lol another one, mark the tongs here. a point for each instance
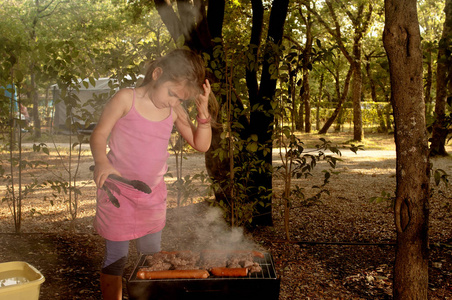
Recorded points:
(136, 184)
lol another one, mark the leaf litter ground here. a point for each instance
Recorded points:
(340, 248)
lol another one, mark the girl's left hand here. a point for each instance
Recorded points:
(202, 101)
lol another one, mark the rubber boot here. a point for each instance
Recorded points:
(111, 287)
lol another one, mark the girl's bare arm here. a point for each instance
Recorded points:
(198, 137)
(116, 108)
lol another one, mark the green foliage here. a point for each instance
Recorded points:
(238, 149)
(66, 42)
(238, 209)
(298, 164)
(385, 197)
(14, 172)
(62, 188)
(439, 176)
(188, 186)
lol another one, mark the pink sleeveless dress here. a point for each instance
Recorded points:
(138, 150)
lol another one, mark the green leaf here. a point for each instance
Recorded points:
(254, 137)
(252, 147)
(437, 177)
(92, 81)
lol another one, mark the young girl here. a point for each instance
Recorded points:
(138, 123)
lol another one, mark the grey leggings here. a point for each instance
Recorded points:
(116, 253)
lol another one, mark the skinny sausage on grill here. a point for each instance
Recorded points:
(143, 273)
(229, 272)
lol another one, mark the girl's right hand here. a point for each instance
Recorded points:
(102, 171)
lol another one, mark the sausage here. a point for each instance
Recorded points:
(258, 254)
(186, 274)
(229, 272)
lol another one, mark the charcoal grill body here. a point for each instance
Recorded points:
(256, 286)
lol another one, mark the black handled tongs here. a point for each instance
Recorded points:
(136, 184)
(111, 197)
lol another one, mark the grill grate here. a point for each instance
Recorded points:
(255, 286)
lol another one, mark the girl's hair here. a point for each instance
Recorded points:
(180, 65)
(183, 66)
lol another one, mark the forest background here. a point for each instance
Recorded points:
(323, 68)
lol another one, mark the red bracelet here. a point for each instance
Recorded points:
(203, 121)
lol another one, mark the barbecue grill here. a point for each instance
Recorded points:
(262, 285)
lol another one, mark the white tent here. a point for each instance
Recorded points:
(101, 90)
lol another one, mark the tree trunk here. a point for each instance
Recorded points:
(428, 78)
(307, 104)
(402, 43)
(261, 121)
(307, 53)
(373, 93)
(35, 99)
(317, 113)
(208, 27)
(338, 108)
(358, 131)
(263, 95)
(252, 67)
(212, 23)
(300, 116)
(169, 18)
(255, 42)
(444, 65)
(34, 89)
(387, 111)
(291, 92)
(360, 23)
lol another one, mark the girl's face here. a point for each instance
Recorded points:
(169, 94)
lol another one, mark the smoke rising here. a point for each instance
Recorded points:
(198, 227)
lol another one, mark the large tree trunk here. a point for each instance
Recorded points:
(443, 74)
(199, 29)
(402, 43)
(261, 120)
(300, 112)
(255, 42)
(191, 22)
